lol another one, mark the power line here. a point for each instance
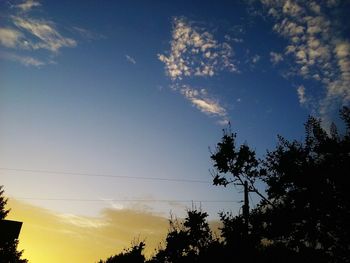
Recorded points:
(108, 175)
(122, 200)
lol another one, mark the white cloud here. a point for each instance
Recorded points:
(24, 60)
(202, 101)
(342, 49)
(10, 38)
(275, 58)
(28, 34)
(341, 86)
(49, 37)
(315, 7)
(130, 59)
(317, 48)
(301, 94)
(195, 52)
(255, 59)
(28, 5)
(292, 8)
(208, 106)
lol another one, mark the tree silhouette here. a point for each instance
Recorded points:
(3, 202)
(8, 249)
(186, 240)
(236, 164)
(132, 255)
(308, 182)
(305, 216)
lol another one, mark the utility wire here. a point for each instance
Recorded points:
(108, 175)
(122, 200)
(114, 176)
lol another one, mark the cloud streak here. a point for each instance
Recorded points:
(28, 5)
(87, 34)
(49, 37)
(202, 101)
(24, 60)
(130, 59)
(28, 34)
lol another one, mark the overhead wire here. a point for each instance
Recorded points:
(112, 176)
(107, 175)
(123, 200)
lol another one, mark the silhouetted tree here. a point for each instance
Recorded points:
(8, 249)
(3, 202)
(307, 212)
(236, 164)
(186, 240)
(308, 182)
(132, 255)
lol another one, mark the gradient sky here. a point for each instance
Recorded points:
(96, 93)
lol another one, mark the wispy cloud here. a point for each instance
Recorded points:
(28, 5)
(44, 30)
(10, 38)
(24, 60)
(256, 59)
(301, 94)
(86, 33)
(195, 52)
(204, 102)
(82, 222)
(29, 34)
(234, 39)
(130, 59)
(275, 58)
(315, 43)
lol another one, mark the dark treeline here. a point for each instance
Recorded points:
(304, 216)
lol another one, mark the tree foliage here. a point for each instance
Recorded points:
(132, 255)
(3, 202)
(309, 184)
(306, 212)
(187, 240)
(8, 249)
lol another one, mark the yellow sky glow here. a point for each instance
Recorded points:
(50, 237)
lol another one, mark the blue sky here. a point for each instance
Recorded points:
(143, 88)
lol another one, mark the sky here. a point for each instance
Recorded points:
(109, 109)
